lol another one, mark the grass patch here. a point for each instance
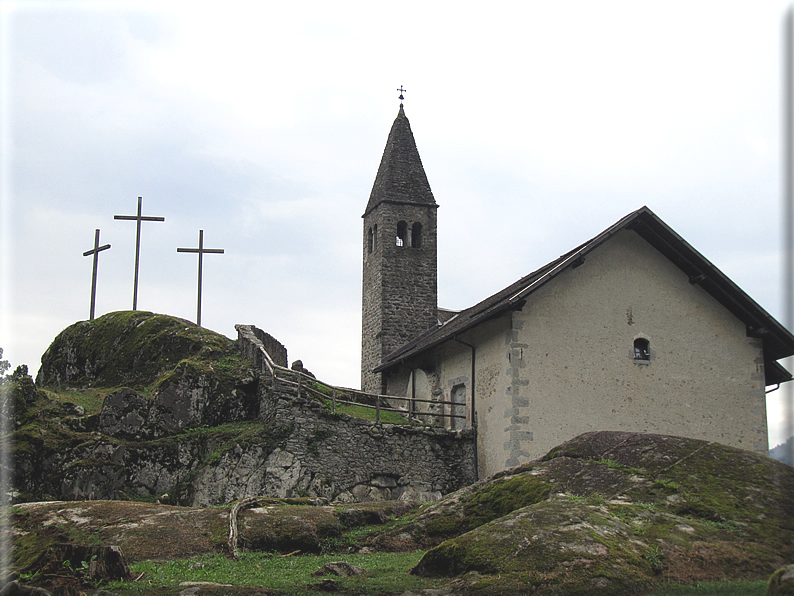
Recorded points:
(90, 399)
(369, 414)
(386, 573)
(615, 465)
(364, 412)
(723, 588)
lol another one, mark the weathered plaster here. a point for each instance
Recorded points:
(564, 363)
(704, 379)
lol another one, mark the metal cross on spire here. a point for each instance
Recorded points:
(401, 90)
(137, 218)
(201, 252)
(95, 251)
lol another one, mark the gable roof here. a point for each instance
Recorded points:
(401, 177)
(777, 340)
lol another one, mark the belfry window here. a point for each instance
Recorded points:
(370, 240)
(416, 235)
(642, 349)
(402, 233)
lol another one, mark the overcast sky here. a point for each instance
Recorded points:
(539, 124)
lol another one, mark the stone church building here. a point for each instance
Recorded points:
(633, 330)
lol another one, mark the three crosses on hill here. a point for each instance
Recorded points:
(138, 219)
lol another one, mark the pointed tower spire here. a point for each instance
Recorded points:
(401, 177)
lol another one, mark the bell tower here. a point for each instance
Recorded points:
(399, 298)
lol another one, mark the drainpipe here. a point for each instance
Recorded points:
(473, 409)
(413, 392)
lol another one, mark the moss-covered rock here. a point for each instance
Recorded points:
(175, 378)
(618, 512)
(782, 582)
(126, 348)
(288, 529)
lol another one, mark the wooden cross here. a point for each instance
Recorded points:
(138, 218)
(201, 252)
(95, 251)
(401, 90)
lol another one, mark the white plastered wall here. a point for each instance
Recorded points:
(573, 371)
(564, 364)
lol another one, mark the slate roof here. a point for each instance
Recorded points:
(778, 341)
(401, 177)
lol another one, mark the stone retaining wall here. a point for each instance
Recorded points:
(345, 458)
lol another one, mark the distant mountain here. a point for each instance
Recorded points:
(784, 452)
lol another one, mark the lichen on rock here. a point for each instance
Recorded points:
(623, 510)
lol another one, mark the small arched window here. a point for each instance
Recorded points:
(402, 233)
(642, 349)
(375, 237)
(416, 235)
(370, 240)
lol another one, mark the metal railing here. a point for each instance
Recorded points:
(304, 383)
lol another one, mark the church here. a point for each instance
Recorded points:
(633, 330)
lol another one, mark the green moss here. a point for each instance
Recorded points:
(287, 529)
(503, 496)
(90, 399)
(615, 465)
(776, 587)
(444, 525)
(564, 561)
(133, 348)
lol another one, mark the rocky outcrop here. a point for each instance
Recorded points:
(611, 512)
(605, 513)
(127, 348)
(211, 427)
(187, 399)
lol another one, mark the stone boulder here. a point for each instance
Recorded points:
(200, 393)
(127, 348)
(782, 582)
(612, 512)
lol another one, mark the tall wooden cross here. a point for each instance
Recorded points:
(95, 251)
(138, 218)
(201, 252)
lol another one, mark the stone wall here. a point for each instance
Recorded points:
(279, 445)
(250, 339)
(344, 458)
